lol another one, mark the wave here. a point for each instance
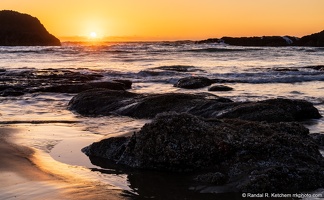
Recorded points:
(270, 77)
(212, 50)
(40, 51)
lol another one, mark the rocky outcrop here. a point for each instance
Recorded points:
(108, 102)
(272, 41)
(18, 29)
(249, 156)
(260, 41)
(313, 40)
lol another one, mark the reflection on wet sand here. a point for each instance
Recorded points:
(28, 173)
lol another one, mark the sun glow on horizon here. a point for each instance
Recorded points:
(174, 20)
(93, 35)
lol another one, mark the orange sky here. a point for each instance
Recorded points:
(174, 19)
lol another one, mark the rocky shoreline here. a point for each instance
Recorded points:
(256, 146)
(247, 146)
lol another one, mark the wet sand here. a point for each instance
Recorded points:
(24, 176)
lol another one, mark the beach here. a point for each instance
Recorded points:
(27, 174)
(43, 132)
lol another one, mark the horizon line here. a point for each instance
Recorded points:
(136, 38)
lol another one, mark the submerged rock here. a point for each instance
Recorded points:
(220, 88)
(76, 88)
(193, 82)
(179, 68)
(17, 29)
(20, 82)
(250, 156)
(285, 69)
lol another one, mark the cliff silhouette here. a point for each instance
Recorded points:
(313, 40)
(17, 29)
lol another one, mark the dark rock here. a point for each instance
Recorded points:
(193, 82)
(11, 92)
(319, 138)
(273, 110)
(317, 67)
(127, 83)
(220, 88)
(111, 148)
(260, 41)
(150, 105)
(101, 102)
(313, 40)
(250, 156)
(18, 29)
(19, 82)
(216, 178)
(179, 68)
(147, 73)
(208, 41)
(284, 69)
(173, 142)
(108, 102)
(77, 88)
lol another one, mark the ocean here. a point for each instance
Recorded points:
(57, 134)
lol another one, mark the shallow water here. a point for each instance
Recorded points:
(254, 73)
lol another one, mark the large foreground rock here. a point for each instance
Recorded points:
(108, 102)
(17, 29)
(249, 156)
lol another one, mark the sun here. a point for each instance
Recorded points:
(93, 35)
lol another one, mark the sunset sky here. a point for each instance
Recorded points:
(174, 19)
